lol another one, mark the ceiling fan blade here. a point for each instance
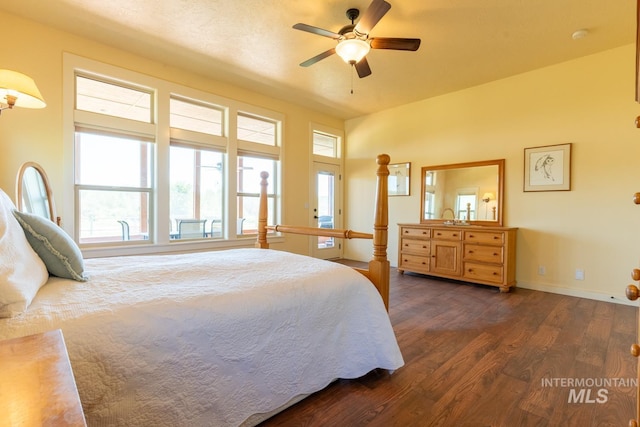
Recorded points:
(316, 30)
(394, 43)
(376, 10)
(362, 67)
(318, 57)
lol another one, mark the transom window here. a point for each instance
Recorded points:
(195, 117)
(325, 144)
(255, 129)
(113, 99)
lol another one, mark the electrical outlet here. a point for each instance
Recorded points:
(579, 274)
(542, 270)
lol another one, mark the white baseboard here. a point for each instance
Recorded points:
(618, 298)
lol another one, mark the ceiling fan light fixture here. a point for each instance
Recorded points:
(352, 50)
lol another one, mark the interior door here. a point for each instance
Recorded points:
(326, 210)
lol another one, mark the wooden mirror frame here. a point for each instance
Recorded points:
(47, 187)
(499, 194)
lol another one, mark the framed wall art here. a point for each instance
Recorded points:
(547, 168)
(399, 179)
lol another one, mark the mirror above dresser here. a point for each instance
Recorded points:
(461, 235)
(469, 193)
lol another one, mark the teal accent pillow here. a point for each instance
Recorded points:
(57, 250)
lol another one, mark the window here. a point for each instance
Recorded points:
(466, 203)
(197, 180)
(113, 186)
(258, 150)
(249, 169)
(195, 117)
(430, 195)
(258, 130)
(113, 100)
(196, 190)
(151, 161)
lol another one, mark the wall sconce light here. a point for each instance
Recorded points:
(487, 197)
(18, 90)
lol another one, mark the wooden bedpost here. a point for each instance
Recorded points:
(379, 266)
(262, 213)
(379, 270)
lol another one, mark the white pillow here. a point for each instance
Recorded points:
(22, 272)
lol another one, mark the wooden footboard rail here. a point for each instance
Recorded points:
(378, 271)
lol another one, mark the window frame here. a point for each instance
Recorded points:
(162, 134)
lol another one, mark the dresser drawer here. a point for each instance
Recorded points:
(442, 234)
(415, 263)
(483, 272)
(480, 253)
(484, 237)
(416, 232)
(417, 247)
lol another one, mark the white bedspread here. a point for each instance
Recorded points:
(209, 339)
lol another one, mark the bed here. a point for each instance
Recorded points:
(222, 338)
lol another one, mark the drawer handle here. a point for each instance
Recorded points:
(495, 237)
(470, 252)
(424, 232)
(635, 350)
(423, 263)
(471, 236)
(635, 274)
(454, 235)
(438, 234)
(494, 273)
(424, 247)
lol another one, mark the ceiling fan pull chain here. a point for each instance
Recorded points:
(352, 67)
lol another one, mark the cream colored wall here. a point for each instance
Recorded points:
(588, 102)
(36, 135)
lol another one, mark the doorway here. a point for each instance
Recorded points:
(326, 210)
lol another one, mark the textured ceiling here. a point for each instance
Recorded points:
(250, 43)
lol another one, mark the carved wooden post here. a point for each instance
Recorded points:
(380, 263)
(262, 213)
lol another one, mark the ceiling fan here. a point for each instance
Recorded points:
(354, 41)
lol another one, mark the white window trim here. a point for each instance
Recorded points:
(164, 90)
(315, 158)
(338, 160)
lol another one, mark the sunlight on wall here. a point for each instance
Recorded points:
(588, 102)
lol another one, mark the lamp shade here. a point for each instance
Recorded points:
(352, 50)
(23, 88)
(488, 196)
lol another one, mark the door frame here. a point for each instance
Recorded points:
(333, 158)
(338, 248)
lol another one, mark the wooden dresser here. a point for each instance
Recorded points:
(477, 254)
(36, 383)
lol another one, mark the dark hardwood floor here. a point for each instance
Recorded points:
(476, 357)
